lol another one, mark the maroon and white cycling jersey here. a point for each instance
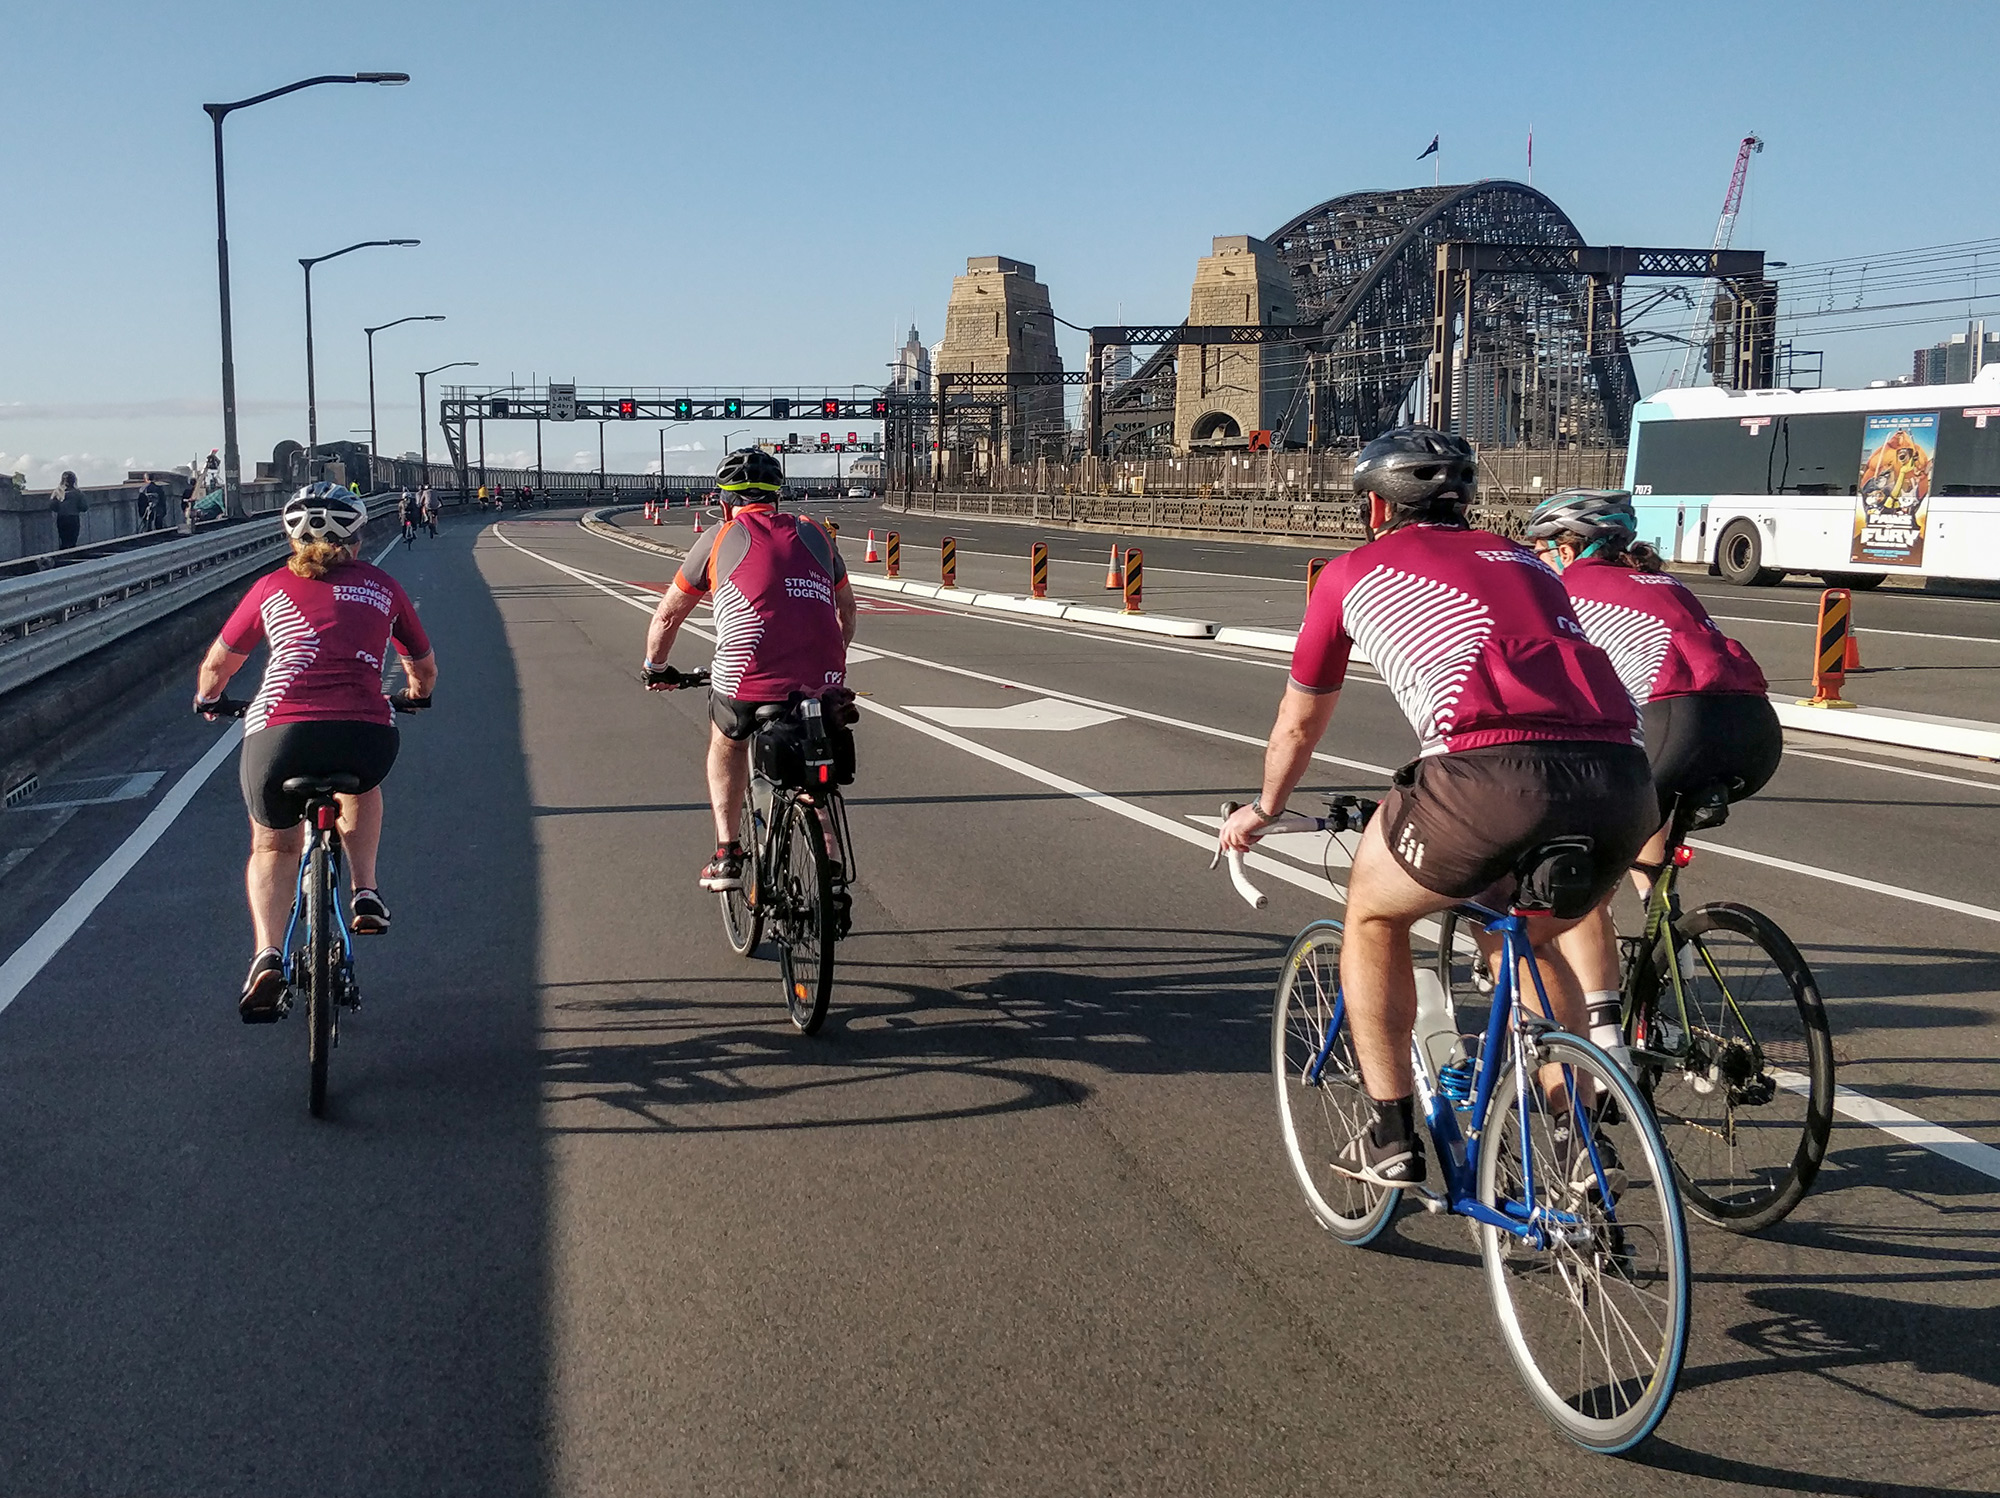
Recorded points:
(329, 637)
(1657, 633)
(1474, 635)
(774, 577)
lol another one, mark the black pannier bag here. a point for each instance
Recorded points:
(781, 748)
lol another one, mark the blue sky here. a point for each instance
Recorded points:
(750, 194)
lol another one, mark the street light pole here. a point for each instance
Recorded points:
(232, 464)
(312, 396)
(424, 411)
(374, 443)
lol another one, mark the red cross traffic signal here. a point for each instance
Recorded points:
(627, 408)
(830, 409)
(880, 408)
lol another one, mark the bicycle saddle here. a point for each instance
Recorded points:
(1555, 877)
(770, 712)
(1707, 807)
(323, 785)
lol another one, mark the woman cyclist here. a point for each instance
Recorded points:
(320, 711)
(1702, 699)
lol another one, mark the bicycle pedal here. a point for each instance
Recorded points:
(1434, 1204)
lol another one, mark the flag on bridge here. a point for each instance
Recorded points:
(1429, 150)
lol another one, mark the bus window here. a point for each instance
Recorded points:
(1818, 453)
(1968, 455)
(1716, 456)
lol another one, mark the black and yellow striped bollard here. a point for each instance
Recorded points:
(833, 527)
(1314, 567)
(1135, 572)
(1038, 569)
(893, 556)
(950, 556)
(1836, 622)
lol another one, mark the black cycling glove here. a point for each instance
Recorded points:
(661, 676)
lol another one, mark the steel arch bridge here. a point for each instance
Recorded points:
(1364, 268)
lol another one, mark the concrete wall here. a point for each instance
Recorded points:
(999, 319)
(28, 526)
(1251, 387)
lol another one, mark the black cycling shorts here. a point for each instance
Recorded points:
(737, 719)
(273, 755)
(1458, 823)
(1696, 741)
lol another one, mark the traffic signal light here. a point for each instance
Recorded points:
(781, 409)
(683, 410)
(627, 408)
(791, 439)
(830, 409)
(881, 408)
(826, 439)
(497, 408)
(732, 408)
(852, 438)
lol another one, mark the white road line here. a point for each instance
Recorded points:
(1852, 881)
(34, 954)
(1900, 634)
(1906, 1126)
(1870, 764)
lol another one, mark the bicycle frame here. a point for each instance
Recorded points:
(1663, 911)
(1458, 1150)
(330, 836)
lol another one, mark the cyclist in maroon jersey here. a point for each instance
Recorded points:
(329, 620)
(1702, 699)
(784, 616)
(1525, 734)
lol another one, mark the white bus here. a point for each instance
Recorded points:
(1853, 485)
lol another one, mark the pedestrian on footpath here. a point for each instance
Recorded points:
(152, 504)
(68, 503)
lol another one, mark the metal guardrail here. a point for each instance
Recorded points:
(51, 619)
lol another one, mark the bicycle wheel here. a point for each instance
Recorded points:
(322, 911)
(1595, 1316)
(804, 874)
(1463, 971)
(742, 912)
(1318, 1115)
(1746, 1103)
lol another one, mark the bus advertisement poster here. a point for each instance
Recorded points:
(1893, 500)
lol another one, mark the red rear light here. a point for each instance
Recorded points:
(1683, 856)
(825, 774)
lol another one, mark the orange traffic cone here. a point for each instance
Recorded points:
(656, 515)
(1853, 660)
(872, 556)
(1111, 578)
(697, 522)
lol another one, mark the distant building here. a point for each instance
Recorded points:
(1958, 360)
(911, 374)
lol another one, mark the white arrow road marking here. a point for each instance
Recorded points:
(1043, 715)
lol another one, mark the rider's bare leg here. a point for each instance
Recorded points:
(361, 834)
(273, 868)
(1376, 979)
(728, 777)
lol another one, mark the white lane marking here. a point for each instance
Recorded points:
(1900, 634)
(1858, 1105)
(1831, 876)
(1046, 715)
(1907, 1127)
(1870, 764)
(384, 552)
(34, 954)
(1853, 881)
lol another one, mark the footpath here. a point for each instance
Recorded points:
(1244, 612)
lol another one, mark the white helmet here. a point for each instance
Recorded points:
(324, 512)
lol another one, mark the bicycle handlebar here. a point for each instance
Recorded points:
(1344, 814)
(671, 680)
(236, 707)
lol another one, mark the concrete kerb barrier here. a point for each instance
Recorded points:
(1883, 725)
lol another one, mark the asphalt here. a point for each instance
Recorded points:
(589, 1217)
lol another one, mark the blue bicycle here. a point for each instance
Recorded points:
(1544, 1144)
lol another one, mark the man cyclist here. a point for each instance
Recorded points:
(1702, 699)
(784, 616)
(412, 515)
(1526, 734)
(329, 619)
(427, 507)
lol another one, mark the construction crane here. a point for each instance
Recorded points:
(1701, 330)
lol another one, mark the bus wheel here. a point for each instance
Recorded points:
(1739, 557)
(1854, 582)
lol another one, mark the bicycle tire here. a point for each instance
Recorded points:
(1613, 1288)
(322, 910)
(1752, 995)
(742, 914)
(803, 872)
(1317, 1118)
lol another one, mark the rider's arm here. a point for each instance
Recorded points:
(421, 672)
(217, 667)
(675, 606)
(843, 604)
(1302, 719)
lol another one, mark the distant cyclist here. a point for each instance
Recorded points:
(329, 619)
(1702, 699)
(427, 507)
(784, 615)
(1525, 734)
(412, 515)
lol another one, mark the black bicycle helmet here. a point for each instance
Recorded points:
(324, 512)
(1596, 517)
(750, 470)
(1419, 473)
